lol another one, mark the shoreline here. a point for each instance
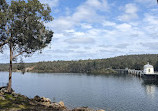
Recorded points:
(101, 72)
(17, 102)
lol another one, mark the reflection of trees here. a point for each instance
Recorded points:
(150, 82)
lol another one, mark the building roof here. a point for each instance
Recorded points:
(148, 66)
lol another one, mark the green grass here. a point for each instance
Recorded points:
(15, 103)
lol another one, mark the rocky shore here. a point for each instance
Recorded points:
(17, 102)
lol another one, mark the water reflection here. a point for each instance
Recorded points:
(150, 82)
(150, 86)
(150, 90)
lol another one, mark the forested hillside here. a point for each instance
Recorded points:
(90, 66)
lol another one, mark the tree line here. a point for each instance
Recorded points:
(90, 66)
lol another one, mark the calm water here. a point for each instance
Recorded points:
(113, 93)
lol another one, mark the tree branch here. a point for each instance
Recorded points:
(5, 42)
(18, 54)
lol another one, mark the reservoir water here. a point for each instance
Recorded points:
(110, 92)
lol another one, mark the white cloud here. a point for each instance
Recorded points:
(80, 40)
(151, 26)
(58, 35)
(131, 8)
(62, 23)
(108, 23)
(70, 31)
(124, 27)
(51, 3)
(86, 26)
(98, 4)
(74, 33)
(150, 19)
(130, 12)
(78, 34)
(86, 12)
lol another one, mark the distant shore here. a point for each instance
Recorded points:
(97, 72)
(96, 66)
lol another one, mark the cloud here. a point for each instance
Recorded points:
(150, 19)
(86, 26)
(122, 45)
(111, 51)
(62, 51)
(51, 3)
(108, 23)
(124, 27)
(130, 12)
(147, 2)
(80, 40)
(73, 47)
(87, 48)
(150, 25)
(87, 12)
(151, 45)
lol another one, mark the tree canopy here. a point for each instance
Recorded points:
(22, 24)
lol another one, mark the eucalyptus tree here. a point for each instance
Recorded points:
(22, 28)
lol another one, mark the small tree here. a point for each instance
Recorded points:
(21, 66)
(22, 28)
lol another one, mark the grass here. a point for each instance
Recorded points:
(11, 102)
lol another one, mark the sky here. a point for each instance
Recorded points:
(95, 29)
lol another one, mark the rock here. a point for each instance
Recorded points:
(58, 106)
(46, 104)
(1, 93)
(43, 99)
(4, 90)
(54, 106)
(2, 98)
(61, 103)
(37, 98)
(14, 94)
(100, 110)
(83, 109)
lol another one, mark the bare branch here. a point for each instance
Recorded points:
(18, 54)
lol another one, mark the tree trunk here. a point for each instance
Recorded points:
(10, 69)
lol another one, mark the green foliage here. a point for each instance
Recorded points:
(3, 22)
(156, 66)
(22, 24)
(21, 66)
(4, 67)
(97, 65)
(14, 103)
(92, 66)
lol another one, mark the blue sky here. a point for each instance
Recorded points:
(96, 29)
